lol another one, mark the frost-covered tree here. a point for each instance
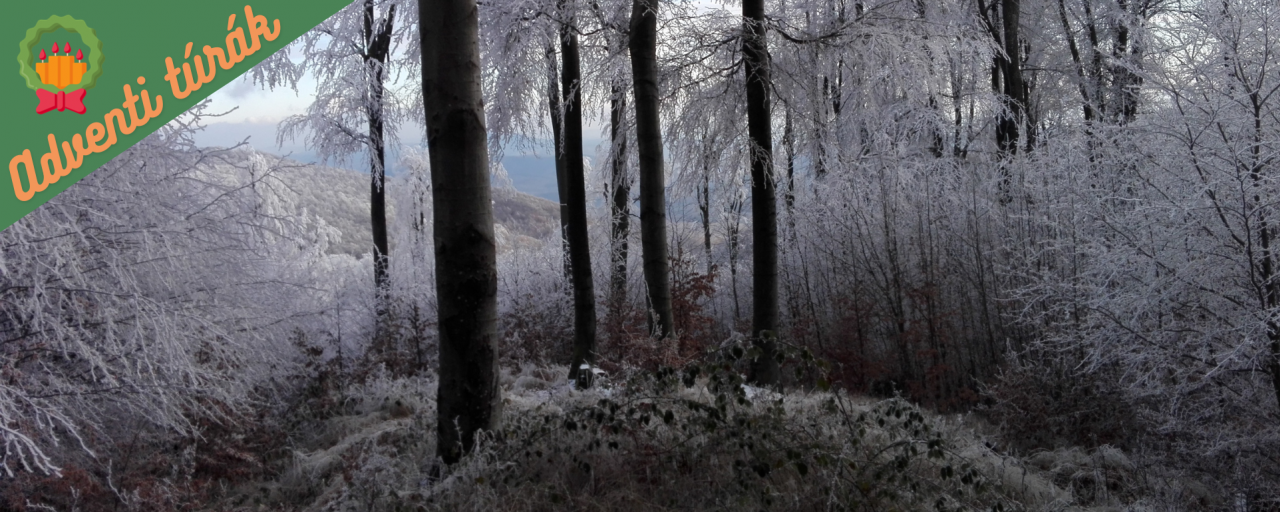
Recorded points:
(352, 56)
(506, 43)
(151, 297)
(1153, 277)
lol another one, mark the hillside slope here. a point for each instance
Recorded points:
(341, 198)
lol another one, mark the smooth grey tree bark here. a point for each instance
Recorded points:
(575, 201)
(653, 196)
(468, 397)
(764, 203)
(553, 103)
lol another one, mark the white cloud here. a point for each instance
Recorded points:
(250, 103)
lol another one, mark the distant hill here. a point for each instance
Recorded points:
(341, 198)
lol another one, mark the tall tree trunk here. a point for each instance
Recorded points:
(1096, 93)
(837, 106)
(957, 92)
(1271, 299)
(704, 197)
(764, 204)
(584, 295)
(557, 139)
(734, 231)
(653, 196)
(1015, 94)
(821, 132)
(789, 143)
(468, 398)
(1270, 289)
(1085, 98)
(1125, 54)
(704, 211)
(620, 210)
(1006, 78)
(377, 43)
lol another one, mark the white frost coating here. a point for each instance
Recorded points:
(144, 296)
(754, 392)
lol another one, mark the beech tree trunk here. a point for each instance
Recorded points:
(764, 203)
(377, 43)
(653, 198)
(733, 231)
(1007, 132)
(553, 103)
(468, 398)
(704, 211)
(1085, 97)
(620, 211)
(584, 295)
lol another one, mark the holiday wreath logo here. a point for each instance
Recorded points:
(60, 79)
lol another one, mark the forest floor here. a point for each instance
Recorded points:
(687, 442)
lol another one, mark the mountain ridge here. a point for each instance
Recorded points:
(340, 197)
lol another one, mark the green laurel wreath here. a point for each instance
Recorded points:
(87, 36)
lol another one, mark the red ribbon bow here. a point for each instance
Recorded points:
(73, 101)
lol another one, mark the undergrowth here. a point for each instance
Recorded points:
(688, 437)
(696, 437)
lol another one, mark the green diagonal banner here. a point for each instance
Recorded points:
(90, 78)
